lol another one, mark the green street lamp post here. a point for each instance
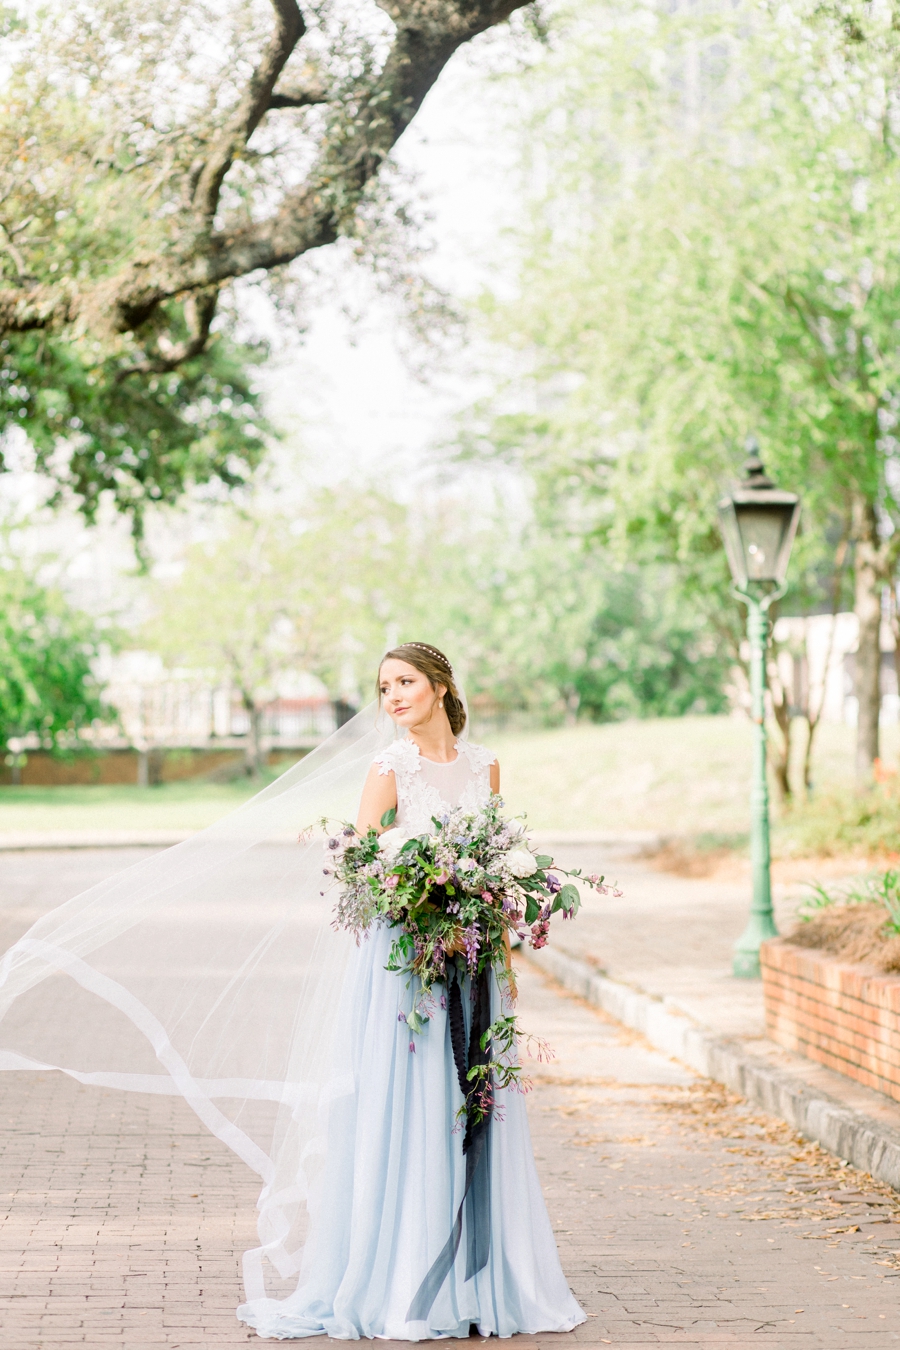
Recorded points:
(758, 525)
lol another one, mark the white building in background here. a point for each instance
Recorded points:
(161, 708)
(816, 661)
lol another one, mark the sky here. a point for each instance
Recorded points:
(349, 388)
(343, 392)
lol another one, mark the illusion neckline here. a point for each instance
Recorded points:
(441, 763)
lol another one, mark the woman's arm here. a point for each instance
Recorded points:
(378, 796)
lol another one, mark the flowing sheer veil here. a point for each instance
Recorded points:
(211, 970)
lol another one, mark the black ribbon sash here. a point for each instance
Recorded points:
(476, 1200)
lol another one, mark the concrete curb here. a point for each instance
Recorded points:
(866, 1143)
(27, 842)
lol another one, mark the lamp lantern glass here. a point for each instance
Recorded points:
(758, 525)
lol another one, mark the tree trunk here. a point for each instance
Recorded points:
(254, 758)
(867, 604)
(815, 708)
(780, 760)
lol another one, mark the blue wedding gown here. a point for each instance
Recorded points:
(395, 1175)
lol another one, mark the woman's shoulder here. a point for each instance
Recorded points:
(401, 754)
(479, 756)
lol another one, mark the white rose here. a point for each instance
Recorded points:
(521, 863)
(391, 842)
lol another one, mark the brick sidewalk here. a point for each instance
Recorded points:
(683, 1217)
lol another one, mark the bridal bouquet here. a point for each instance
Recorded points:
(453, 896)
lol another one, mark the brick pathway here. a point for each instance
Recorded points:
(683, 1218)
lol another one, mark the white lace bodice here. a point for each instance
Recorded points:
(426, 788)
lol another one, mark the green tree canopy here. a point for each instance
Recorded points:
(533, 621)
(48, 649)
(714, 252)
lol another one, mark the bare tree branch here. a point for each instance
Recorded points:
(299, 97)
(199, 312)
(361, 131)
(289, 29)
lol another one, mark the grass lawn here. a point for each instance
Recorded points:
(189, 805)
(685, 776)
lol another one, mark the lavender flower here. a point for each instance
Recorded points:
(472, 943)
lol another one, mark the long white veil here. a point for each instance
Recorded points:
(211, 970)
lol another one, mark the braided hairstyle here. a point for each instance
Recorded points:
(433, 664)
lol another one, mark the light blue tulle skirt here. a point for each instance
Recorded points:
(393, 1183)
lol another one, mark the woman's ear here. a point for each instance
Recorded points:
(440, 690)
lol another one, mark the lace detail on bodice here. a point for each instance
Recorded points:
(426, 789)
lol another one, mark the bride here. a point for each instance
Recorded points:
(213, 971)
(385, 1255)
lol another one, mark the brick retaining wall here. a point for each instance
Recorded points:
(843, 1015)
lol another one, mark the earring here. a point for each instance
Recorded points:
(440, 703)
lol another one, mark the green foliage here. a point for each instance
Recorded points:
(715, 253)
(547, 624)
(47, 650)
(883, 890)
(841, 821)
(649, 653)
(534, 623)
(142, 439)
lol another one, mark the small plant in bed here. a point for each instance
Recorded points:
(843, 821)
(860, 922)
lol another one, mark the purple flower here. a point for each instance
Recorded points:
(401, 1017)
(553, 883)
(412, 1047)
(471, 942)
(539, 933)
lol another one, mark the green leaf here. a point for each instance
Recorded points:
(389, 817)
(544, 861)
(532, 909)
(568, 898)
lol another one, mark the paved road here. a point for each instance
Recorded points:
(683, 1217)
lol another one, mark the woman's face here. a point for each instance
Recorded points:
(407, 694)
